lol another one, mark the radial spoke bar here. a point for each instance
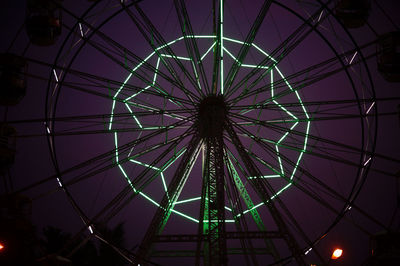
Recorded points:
(286, 47)
(217, 47)
(117, 203)
(244, 49)
(235, 205)
(150, 33)
(90, 161)
(260, 183)
(105, 84)
(143, 179)
(318, 138)
(150, 83)
(263, 190)
(221, 44)
(318, 103)
(330, 116)
(317, 181)
(191, 44)
(249, 204)
(163, 212)
(298, 85)
(124, 51)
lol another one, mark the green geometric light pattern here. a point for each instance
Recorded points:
(277, 144)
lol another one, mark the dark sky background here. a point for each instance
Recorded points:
(51, 206)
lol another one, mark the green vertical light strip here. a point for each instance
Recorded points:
(276, 146)
(307, 127)
(206, 226)
(221, 8)
(119, 165)
(245, 196)
(114, 99)
(249, 204)
(196, 75)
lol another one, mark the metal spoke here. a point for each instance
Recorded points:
(122, 65)
(108, 154)
(150, 33)
(191, 45)
(244, 49)
(286, 46)
(249, 203)
(308, 80)
(317, 181)
(321, 139)
(123, 51)
(164, 211)
(263, 190)
(206, 125)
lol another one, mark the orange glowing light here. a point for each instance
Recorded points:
(1, 246)
(337, 253)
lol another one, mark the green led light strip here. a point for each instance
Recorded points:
(130, 101)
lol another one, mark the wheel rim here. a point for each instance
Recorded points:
(303, 134)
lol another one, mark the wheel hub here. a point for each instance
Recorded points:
(212, 116)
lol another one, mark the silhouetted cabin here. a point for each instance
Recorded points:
(12, 79)
(7, 146)
(352, 13)
(43, 21)
(389, 56)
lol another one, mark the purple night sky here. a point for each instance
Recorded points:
(80, 50)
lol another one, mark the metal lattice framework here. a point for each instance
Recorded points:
(223, 145)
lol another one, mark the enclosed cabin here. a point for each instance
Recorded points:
(388, 51)
(8, 136)
(12, 79)
(43, 21)
(352, 13)
(385, 249)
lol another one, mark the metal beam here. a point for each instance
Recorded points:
(244, 49)
(226, 235)
(191, 253)
(174, 189)
(264, 189)
(215, 224)
(250, 206)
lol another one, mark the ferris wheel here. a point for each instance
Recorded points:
(219, 132)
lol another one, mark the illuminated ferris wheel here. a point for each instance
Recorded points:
(220, 133)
